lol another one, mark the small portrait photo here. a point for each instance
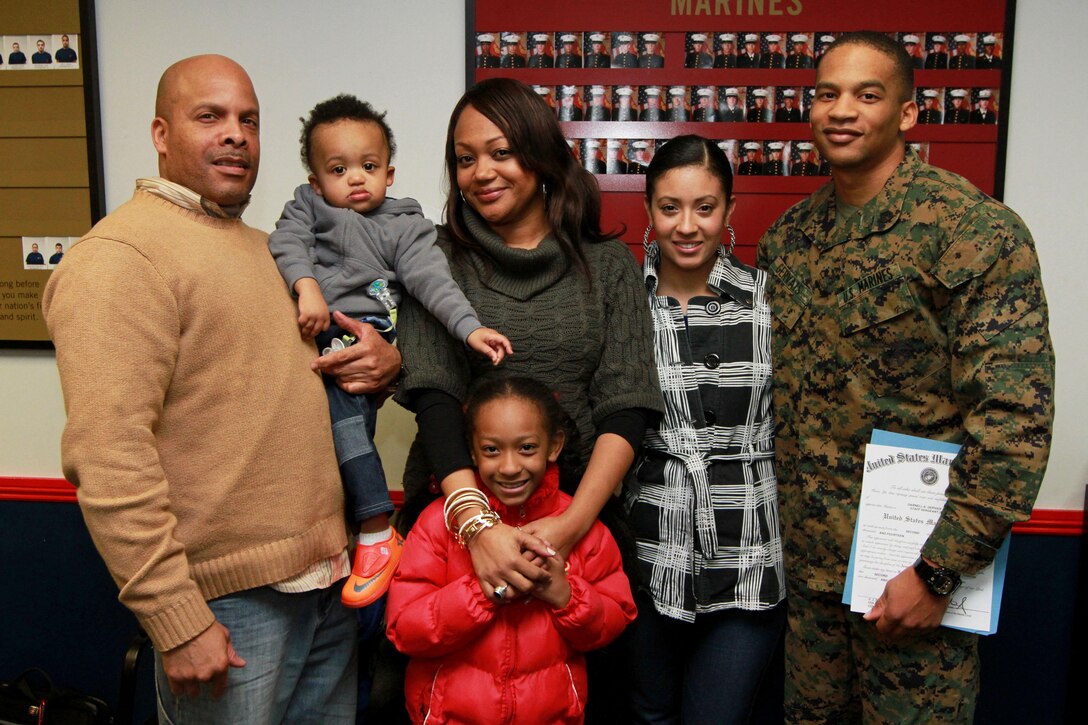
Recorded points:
(787, 105)
(35, 251)
(651, 100)
(988, 51)
(56, 246)
(729, 148)
(696, 51)
(678, 110)
(487, 55)
(570, 103)
(912, 43)
(775, 154)
(985, 101)
(547, 93)
(725, 49)
(822, 41)
(800, 51)
(66, 50)
(751, 160)
(808, 95)
(936, 51)
(704, 103)
(42, 55)
(963, 52)
(804, 160)
(922, 149)
(15, 52)
(623, 50)
(651, 50)
(615, 160)
(749, 55)
(512, 51)
(593, 155)
(568, 53)
(959, 108)
(758, 105)
(772, 55)
(597, 53)
(575, 146)
(731, 104)
(541, 54)
(639, 153)
(624, 103)
(597, 104)
(930, 105)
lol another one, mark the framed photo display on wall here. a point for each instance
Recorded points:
(51, 188)
(624, 76)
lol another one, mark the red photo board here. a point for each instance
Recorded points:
(626, 75)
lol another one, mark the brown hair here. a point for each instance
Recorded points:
(572, 200)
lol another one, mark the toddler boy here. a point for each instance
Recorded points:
(342, 244)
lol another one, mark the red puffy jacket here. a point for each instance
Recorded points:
(475, 661)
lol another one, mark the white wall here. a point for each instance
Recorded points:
(1046, 183)
(403, 56)
(406, 56)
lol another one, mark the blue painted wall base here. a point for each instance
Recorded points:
(59, 612)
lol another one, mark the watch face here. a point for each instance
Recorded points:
(941, 583)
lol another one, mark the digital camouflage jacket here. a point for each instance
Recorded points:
(922, 313)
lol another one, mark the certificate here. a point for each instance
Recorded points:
(902, 496)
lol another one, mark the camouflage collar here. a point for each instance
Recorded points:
(878, 215)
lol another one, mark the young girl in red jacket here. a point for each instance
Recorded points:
(514, 656)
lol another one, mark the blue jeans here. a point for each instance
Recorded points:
(371, 621)
(301, 661)
(721, 668)
(353, 421)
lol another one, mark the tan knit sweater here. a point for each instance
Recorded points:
(197, 435)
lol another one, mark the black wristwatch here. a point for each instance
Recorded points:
(940, 580)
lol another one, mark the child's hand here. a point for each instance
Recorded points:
(313, 313)
(556, 592)
(491, 343)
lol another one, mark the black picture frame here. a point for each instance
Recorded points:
(96, 201)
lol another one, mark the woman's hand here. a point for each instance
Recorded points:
(499, 558)
(557, 592)
(559, 532)
(367, 367)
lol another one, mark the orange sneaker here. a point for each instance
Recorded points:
(372, 571)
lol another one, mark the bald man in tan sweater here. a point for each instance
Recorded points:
(198, 432)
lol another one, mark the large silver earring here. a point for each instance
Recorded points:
(732, 239)
(544, 189)
(646, 236)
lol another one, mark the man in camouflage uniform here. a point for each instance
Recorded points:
(905, 299)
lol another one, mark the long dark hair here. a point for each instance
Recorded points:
(555, 419)
(690, 150)
(572, 199)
